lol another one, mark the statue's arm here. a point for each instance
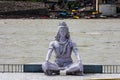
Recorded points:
(75, 50)
(49, 51)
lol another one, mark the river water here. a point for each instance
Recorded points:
(26, 40)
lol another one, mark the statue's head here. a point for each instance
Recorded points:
(63, 31)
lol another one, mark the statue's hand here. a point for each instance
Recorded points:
(81, 65)
(46, 61)
(79, 61)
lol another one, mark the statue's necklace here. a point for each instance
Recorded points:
(62, 46)
(62, 42)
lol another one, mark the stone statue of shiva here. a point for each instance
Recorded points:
(63, 47)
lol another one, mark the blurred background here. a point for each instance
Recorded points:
(55, 9)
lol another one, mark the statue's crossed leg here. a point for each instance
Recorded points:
(53, 69)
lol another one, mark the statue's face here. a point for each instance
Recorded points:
(63, 32)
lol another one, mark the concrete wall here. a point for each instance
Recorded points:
(107, 9)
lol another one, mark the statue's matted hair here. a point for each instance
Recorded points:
(62, 25)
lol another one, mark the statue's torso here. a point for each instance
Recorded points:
(63, 52)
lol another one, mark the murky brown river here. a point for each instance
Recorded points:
(27, 40)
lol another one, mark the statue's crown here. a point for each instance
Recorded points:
(62, 24)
